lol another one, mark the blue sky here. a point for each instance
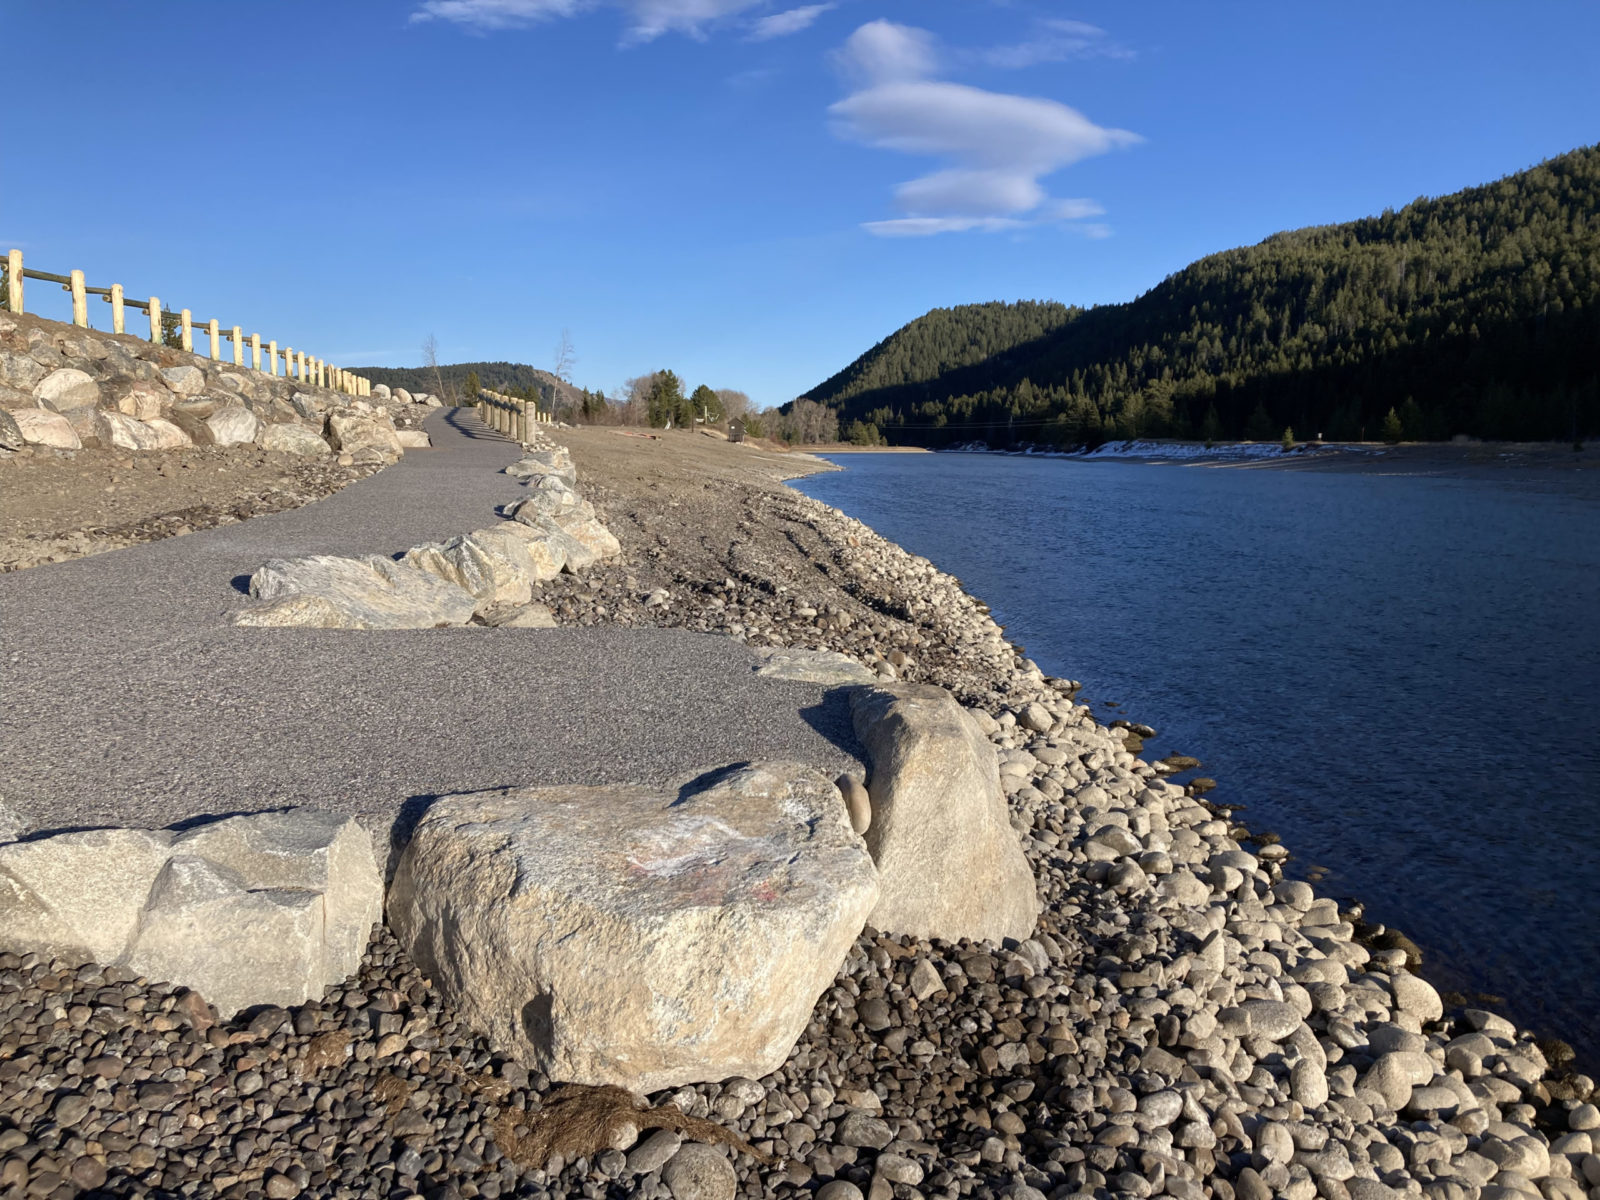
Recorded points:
(751, 193)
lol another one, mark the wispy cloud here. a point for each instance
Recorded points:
(783, 24)
(1055, 40)
(998, 147)
(647, 19)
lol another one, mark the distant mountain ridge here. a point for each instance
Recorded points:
(506, 377)
(1474, 313)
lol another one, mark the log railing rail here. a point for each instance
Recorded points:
(307, 369)
(509, 414)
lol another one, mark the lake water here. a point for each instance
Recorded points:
(1398, 675)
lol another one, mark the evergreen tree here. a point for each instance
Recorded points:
(1393, 431)
(472, 388)
(666, 404)
(1259, 427)
(707, 405)
(1412, 421)
(1288, 439)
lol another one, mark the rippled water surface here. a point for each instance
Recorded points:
(1399, 675)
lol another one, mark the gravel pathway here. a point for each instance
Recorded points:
(130, 699)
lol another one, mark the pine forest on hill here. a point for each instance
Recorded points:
(1476, 313)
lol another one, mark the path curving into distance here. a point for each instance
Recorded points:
(127, 697)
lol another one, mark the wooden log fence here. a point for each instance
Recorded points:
(297, 364)
(510, 415)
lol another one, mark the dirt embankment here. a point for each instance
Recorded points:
(61, 505)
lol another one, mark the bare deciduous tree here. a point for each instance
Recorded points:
(734, 404)
(633, 398)
(806, 422)
(566, 357)
(430, 360)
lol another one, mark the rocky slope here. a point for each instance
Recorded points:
(108, 440)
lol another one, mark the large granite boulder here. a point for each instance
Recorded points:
(625, 935)
(21, 372)
(291, 438)
(827, 667)
(41, 427)
(352, 431)
(592, 536)
(489, 564)
(120, 432)
(538, 527)
(366, 593)
(185, 380)
(10, 432)
(66, 387)
(233, 425)
(546, 546)
(548, 496)
(263, 909)
(949, 863)
(137, 398)
(540, 463)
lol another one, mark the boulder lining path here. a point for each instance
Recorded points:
(130, 698)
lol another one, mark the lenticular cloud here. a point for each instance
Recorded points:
(999, 146)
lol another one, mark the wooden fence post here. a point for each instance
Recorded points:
(216, 339)
(272, 357)
(155, 319)
(255, 351)
(80, 302)
(186, 325)
(14, 281)
(238, 347)
(118, 325)
(300, 366)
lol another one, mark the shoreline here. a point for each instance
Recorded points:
(1488, 460)
(1460, 456)
(1185, 1020)
(1515, 461)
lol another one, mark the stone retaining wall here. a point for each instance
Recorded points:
(66, 388)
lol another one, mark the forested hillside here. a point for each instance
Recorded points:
(1476, 313)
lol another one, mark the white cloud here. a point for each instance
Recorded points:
(996, 147)
(883, 52)
(928, 226)
(965, 193)
(495, 14)
(783, 24)
(1072, 210)
(991, 129)
(648, 19)
(1055, 41)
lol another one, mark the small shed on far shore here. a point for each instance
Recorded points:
(736, 430)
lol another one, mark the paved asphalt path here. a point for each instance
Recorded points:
(127, 697)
